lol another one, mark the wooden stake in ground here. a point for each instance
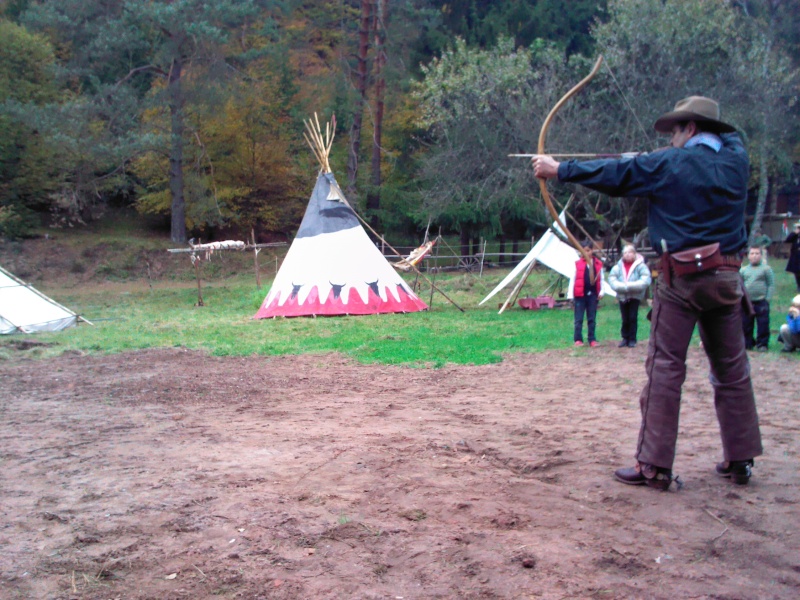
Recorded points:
(256, 250)
(196, 263)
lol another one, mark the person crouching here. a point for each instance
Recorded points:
(790, 331)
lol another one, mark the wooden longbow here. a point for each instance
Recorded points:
(543, 183)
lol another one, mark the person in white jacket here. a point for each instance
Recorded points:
(630, 278)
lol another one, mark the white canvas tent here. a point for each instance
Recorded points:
(553, 253)
(26, 310)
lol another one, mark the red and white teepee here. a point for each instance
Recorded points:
(332, 267)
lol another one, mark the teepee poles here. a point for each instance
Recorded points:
(416, 270)
(517, 288)
(321, 147)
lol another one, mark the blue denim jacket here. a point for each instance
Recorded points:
(697, 195)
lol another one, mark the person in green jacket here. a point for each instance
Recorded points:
(759, 281)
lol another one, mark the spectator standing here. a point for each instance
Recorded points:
(759, 281)
(793, 265)
(790, 331)
(586, 291)
(630, 278)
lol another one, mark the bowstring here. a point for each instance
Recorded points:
(638, 122)
(628, 104)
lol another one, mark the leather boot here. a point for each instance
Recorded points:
(644, 474)
(739, 471)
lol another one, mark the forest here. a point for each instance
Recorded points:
(192, 112)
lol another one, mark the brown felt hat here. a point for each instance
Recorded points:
(704, 111)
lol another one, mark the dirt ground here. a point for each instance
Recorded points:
(172, 474)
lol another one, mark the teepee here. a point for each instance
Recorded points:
(332, 267)
(26, 310)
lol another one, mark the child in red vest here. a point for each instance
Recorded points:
(586, 291)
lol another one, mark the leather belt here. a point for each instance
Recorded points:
(732, 260)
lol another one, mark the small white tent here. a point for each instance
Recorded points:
(25, 309)
(553, 253)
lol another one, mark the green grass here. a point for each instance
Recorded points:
(132, 316)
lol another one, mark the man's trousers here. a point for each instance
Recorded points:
(711, 300)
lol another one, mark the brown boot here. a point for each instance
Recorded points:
(644, 474)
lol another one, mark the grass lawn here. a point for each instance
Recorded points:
(132, 315)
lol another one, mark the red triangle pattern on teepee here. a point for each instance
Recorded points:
(336, 306)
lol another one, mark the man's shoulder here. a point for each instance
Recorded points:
(732, 141)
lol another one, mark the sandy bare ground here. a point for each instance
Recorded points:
(171, 474)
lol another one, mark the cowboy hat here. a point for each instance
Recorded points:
(700, 109)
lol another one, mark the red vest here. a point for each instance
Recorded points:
(580, 272)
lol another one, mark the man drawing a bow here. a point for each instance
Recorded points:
(697, 190)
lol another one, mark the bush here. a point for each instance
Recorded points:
(16, 222)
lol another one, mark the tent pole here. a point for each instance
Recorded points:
(483, 255)
(513, 296)
(424, 241)
(388, 245)
(586, 233)
(436, 266)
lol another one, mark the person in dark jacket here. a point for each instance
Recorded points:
(793, 265)
(697, 190)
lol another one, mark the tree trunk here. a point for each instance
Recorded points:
(361, 89)
(465, 237)
(772, 199)
(374, 195)
(763, 172)
(178, 211)
(502, 250)
(763, 190)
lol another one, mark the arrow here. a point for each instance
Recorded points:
(578, 155)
